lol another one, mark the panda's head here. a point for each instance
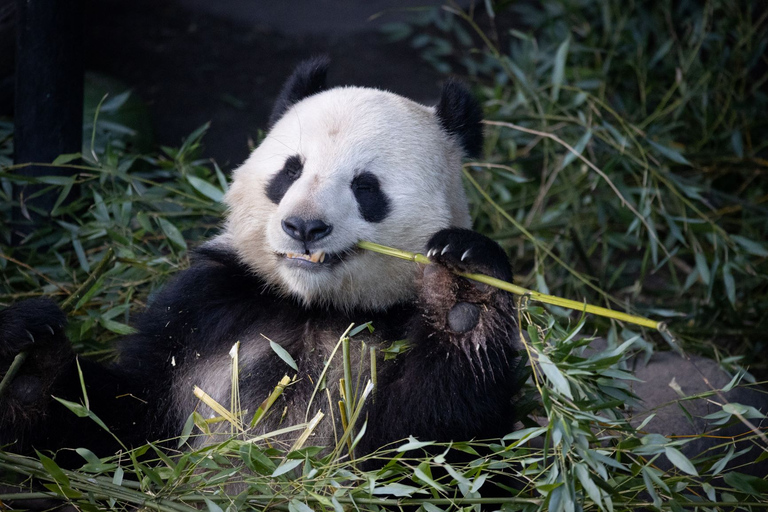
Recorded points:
(343, 165)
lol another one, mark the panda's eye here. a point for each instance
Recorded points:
(365, 182)
(282, 181)
(372, 202)
(293, 167)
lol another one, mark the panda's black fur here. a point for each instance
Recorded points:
(455, 382)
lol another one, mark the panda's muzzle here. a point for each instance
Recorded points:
(308, 232)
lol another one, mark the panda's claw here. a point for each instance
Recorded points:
(463, 250)
(29, 334)
(50, 329)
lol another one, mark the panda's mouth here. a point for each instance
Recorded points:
(312, 260)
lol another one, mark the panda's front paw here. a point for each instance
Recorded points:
(31, 325)
(464, 250)
(453, 302)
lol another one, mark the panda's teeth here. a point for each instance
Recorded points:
(317, 257)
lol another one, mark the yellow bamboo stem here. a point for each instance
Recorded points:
(519, 290)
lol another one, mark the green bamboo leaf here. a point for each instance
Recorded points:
(359, 435)
(737, 143)
(212, 507)
(286, 467)
(80, 252)
(66, 158)
(747, 483)
(60, 199)
(582, 473)
(220, 176)
(398, 490)
(298, 506)
(205, 188)
(422, 472)
(55, 180)
(579, 149)
(283, 354)
(730, 284)
(751, 246)
(478, 483)
(80, 410)
(670, 153)
(677, 458)
(554, 375)
(718, 466)
(116, 327)
(701, 265)
(414, 444)
(193, 138)
(53, 469)
(660, 53)
(88, 455)
(558, 69)
(461, 479)
(117, 478)
(186, 431)
(115, 102)
(360, 328)
(173, 233)
(100, 211)
(648, 481)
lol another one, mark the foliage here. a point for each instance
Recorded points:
(626, 153)
(136, 205)
(624, 164)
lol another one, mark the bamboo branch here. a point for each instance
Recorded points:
(519, 290)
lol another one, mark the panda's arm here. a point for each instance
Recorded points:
(31, 417)
(459, 379)
(190, 314)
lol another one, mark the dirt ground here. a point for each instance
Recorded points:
(191, 66)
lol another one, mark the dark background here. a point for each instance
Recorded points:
(193, 61)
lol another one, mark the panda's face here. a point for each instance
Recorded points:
(346, 165)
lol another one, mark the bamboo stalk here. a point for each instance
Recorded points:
(18, 361)
(519, 290)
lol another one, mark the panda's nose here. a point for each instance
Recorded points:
(306, 230)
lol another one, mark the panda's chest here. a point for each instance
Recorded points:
(263, 361)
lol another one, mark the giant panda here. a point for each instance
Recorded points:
(337, 166)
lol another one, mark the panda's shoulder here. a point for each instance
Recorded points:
(216, 274)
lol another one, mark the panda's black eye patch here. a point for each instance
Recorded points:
(282, 181)
(372, 201)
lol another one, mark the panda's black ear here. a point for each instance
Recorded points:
(461, 116)
(307, 79)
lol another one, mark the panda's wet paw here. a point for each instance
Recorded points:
(464, 250)
(463, 317)
(453, 303)
(35, 324)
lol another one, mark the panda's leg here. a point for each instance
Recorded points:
(30, 417)
(459, 378)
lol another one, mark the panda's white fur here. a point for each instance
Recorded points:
(338, 133)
